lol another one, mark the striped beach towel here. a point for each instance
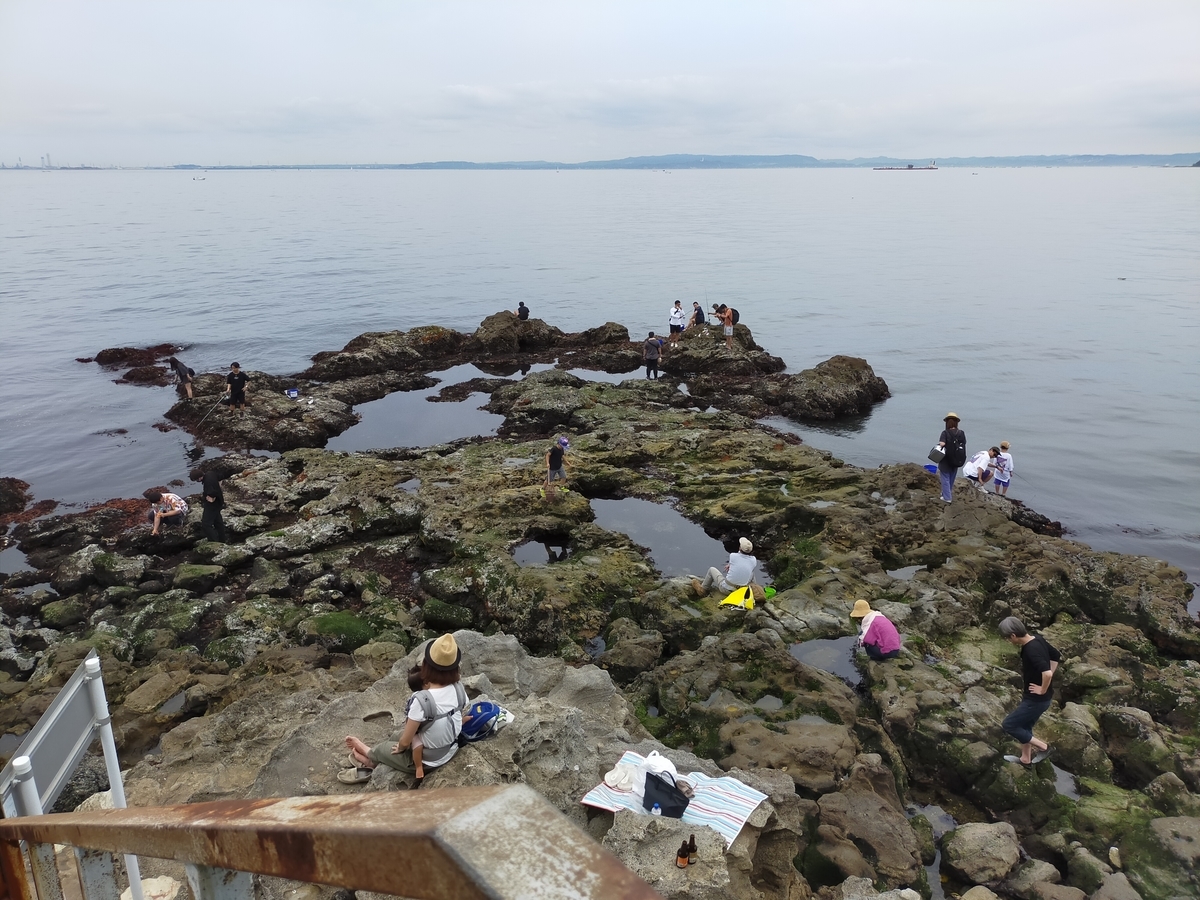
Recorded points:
(723, 804)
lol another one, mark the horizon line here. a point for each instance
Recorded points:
(697, 161)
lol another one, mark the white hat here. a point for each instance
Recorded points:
(745, 545)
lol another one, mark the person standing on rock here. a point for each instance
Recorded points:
(556, 466)
(1039, 661)
(676, 319)
(213, 501)
(953, 441)
(877, 634)
(438, 732)
(1004, 470)
(184, 375)
(650, 353)
(727, 322)
(235, 386)
(739, 572)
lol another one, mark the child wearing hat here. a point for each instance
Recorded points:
(877, 634)
(1004, 470)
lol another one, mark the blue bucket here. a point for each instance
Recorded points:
(930, 467)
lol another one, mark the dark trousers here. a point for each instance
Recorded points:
(652, 366)
(213, 525)
(1019, 723)
(876, 654)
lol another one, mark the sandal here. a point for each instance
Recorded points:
(354, 761)
(357, 775)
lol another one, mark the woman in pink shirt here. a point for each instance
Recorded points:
(878, 635)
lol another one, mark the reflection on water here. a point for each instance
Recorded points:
(832, 655)
(678, 546)
(541, 553)
(941, 823)
(409, 419)
(606, 377)
(1065, 783)
(906, 573)
(13, 560)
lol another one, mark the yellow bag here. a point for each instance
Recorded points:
(743, 597)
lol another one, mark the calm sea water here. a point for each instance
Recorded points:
(1058, 309)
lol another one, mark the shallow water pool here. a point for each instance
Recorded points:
(832, 655)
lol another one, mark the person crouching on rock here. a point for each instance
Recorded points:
(1039, 661)
(739, 572)
(980, 467)
(213, 501)
(165, 509)
(877, 634)
(436, 719)
(184, 375)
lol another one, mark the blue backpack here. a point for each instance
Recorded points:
(479, 721)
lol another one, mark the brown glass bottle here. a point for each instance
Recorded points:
(681, 858)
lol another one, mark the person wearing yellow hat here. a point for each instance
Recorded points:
(434, 718)
(1004, 470)
(877, 634)
(953, 440)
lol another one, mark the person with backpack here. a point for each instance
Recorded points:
(184, 375)
(650, 353)
(1039, 661)
(434, 716)
(953, 441)
(728, 320)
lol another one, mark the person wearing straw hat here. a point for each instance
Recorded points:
(439, 724)
(954, 441)
(877, 634)
(1004, 470)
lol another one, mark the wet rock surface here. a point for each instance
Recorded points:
(235, 670)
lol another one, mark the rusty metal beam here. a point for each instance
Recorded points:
(487, 843)
(12, 864)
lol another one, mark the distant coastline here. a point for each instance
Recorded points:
(702, 161)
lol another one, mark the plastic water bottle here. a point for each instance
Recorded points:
(656, 810)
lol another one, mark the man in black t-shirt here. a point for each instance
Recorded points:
(235, 386)
(556, 463)
(1039, 660)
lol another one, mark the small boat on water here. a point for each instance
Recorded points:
(909, 168)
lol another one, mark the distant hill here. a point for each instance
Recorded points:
(787, 161)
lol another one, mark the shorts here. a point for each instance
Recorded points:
(729, 331)
(676, 329)
(237, 399)
(982, 478)
(559, 474)
(1000, 483)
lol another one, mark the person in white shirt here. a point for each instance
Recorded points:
(1004, 470)
(677, 320)
(739, 571)
(980, 467)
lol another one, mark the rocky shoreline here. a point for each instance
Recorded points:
(234, 670)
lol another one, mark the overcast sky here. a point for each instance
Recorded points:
(138, 83)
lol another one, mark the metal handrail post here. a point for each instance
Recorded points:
(112, 765)
(41, 855)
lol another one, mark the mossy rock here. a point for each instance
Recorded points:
(450, 616)
(198, 578)
(64, 613)
(1161, 858)
(341, 631)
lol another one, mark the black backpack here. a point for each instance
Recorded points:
(956, 450)
(736, 316)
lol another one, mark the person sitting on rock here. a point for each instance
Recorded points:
(438, 735)
(877, 634)
(165, 509)
(1039, 661)
(739, 572)
(522, 311)
(697, 316)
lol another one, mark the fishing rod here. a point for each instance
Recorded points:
(209, 413)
